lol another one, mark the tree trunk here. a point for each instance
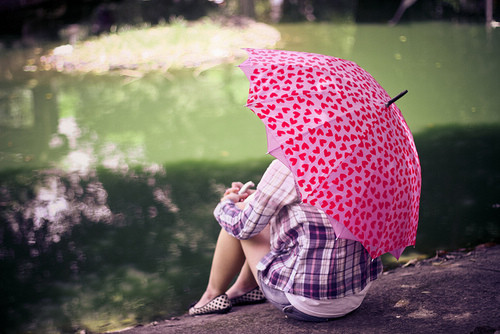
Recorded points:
(276, 10)
(247, 8)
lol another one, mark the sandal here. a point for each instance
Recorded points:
(220, 304)
(252, 297)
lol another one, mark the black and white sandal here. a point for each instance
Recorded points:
(220, 304)
(252, 297)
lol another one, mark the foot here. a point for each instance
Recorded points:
(220, 304)
(238, 290)
(206, 298)
(253, 296)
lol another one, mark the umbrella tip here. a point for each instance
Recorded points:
(394, 99)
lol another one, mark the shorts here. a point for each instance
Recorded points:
(279, 300)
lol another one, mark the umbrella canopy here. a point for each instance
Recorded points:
(351, 154)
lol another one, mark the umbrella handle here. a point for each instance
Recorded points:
(394, 99)
(245, 187)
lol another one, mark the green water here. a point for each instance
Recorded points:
(107, 183)
(450, 71)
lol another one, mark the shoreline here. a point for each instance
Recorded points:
(454, 292)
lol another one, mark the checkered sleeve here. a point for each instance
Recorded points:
(275, 190)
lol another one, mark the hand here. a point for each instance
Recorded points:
(232, 193)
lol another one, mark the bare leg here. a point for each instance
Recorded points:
(244, 283)
(256, 248)
(229, 259)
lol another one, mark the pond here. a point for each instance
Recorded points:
(107, 183)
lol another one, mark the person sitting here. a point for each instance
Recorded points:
(285, 251)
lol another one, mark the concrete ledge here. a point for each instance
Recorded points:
(455, 292)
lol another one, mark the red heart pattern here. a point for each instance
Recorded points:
(351, 156)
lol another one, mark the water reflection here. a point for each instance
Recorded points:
(84, 121)
(460, 188)
(28, 120)
(16, 107)
(54, 208)
(107, 249)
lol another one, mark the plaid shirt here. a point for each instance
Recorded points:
(306, 258)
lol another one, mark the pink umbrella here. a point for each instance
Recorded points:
(346, 143)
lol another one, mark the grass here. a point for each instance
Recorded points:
(179, 44)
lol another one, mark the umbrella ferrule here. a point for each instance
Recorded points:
(394, 99)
